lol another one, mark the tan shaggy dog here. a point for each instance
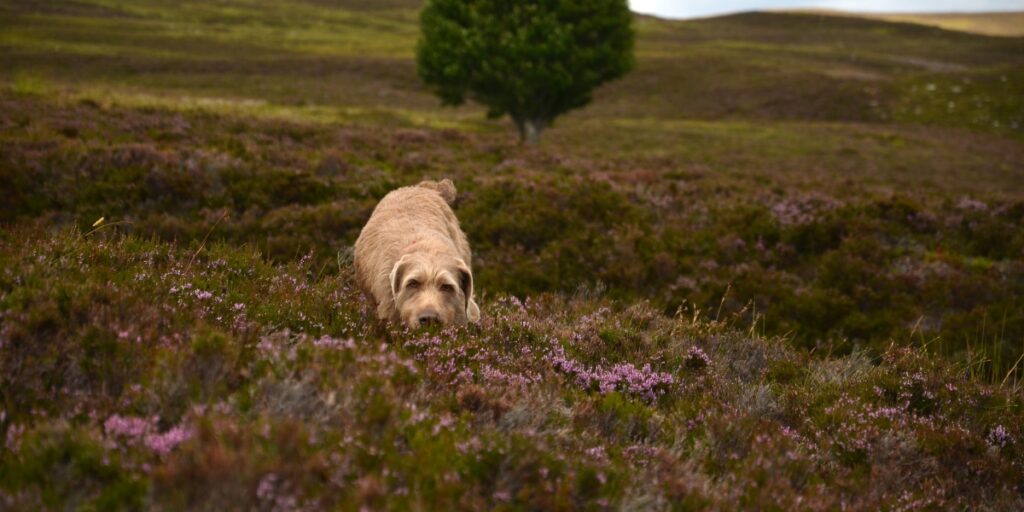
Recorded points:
(413, 260)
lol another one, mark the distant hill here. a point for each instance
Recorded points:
(1009, 24)
(989, 23)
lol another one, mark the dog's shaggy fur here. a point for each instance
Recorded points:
(414, 261)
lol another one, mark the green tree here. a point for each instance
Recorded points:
(531, 59)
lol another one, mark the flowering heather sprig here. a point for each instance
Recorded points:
(500, 377)
(794, 436)
(626, 377)
(513, 301)
(697, 359)
(889, 413)
(334, 343)
(144, 431)
(595, 317)
(424, 343)
(126, 426)
(162, 444)
(597, 453)
(998, 437)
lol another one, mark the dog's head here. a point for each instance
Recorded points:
(431, 289)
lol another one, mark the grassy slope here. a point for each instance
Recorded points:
(851, 184)
(305, 60)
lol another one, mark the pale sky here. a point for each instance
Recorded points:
(695, 8)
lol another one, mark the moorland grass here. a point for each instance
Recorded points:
(139, 374)
(905, 259)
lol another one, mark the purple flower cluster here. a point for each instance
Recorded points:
(126, 426)
(163, 443)
(597, 453)
(626, 377)
(144, 431)
(640, 454)
(334, 343)
(696, 358)
(889, 413)
(594, 318)
(999, 437)
(501, 377)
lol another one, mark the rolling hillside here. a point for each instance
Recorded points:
(778, 266)
(1008, 24)
(993, 23)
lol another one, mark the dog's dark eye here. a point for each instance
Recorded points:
(447, 288)
(412, 285)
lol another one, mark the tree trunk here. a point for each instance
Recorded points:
(529, 131)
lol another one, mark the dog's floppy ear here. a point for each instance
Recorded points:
(466, 282)
(397, 272)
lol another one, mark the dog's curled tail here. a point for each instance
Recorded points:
(444, 187)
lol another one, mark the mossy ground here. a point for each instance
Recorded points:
(728, 283)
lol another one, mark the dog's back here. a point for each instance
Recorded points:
(405, 217)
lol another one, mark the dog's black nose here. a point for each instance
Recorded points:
(429, 317)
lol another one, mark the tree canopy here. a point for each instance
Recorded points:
(530, 59)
